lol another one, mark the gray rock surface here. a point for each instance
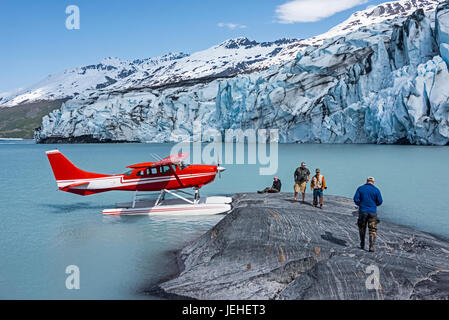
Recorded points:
(271, 248)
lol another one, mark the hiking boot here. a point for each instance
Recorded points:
(362, 245)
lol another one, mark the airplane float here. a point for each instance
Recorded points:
(163, 176)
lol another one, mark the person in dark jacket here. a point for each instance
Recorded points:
(301, 176)
(275, 188)
(368, 198)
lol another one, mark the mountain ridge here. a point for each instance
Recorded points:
(384, 84)
(231, 57)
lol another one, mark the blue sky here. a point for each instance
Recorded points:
(36, 43)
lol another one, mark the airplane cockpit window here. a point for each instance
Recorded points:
(165, 169)
(151, 171)
(140, 173)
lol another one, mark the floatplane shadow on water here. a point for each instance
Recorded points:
(168, 176)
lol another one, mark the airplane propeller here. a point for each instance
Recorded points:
(156, 156)
(219, 169)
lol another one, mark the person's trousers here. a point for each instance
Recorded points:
(370, 219)
(317, 193)
(270, 190)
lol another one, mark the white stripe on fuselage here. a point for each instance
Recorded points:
(118, 181)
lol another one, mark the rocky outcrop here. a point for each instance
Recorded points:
(271, 248)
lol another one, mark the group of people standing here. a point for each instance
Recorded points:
(367, 198)
(318, 184)
(302, 176)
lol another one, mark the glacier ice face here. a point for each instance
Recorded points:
(442, 30)
(386, 83)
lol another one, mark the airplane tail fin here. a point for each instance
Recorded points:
(63, 169)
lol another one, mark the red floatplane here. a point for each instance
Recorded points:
(164, 176)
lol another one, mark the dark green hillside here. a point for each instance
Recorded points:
(20, 121)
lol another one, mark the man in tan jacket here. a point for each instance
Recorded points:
(317, 185)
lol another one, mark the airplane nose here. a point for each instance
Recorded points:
(221, 169)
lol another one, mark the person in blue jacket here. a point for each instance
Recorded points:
(368, 198)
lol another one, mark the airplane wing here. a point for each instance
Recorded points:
(173, 159)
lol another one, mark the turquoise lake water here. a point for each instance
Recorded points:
(43, 230)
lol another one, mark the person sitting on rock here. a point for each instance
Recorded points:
(317, 185)
(368, 198)
(275, 188)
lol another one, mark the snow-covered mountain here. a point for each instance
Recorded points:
(232, 57)
(229, 58)
(383, 83)
(376, 14)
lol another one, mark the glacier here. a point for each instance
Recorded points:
(386, 83)
(229, 58)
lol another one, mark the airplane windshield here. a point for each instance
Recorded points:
(128, 173)
(183, 165)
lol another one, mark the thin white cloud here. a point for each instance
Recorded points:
(312, 10)
(231, 26)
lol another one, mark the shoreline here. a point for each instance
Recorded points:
(89, 139)
(292, 255)
(85, 139)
